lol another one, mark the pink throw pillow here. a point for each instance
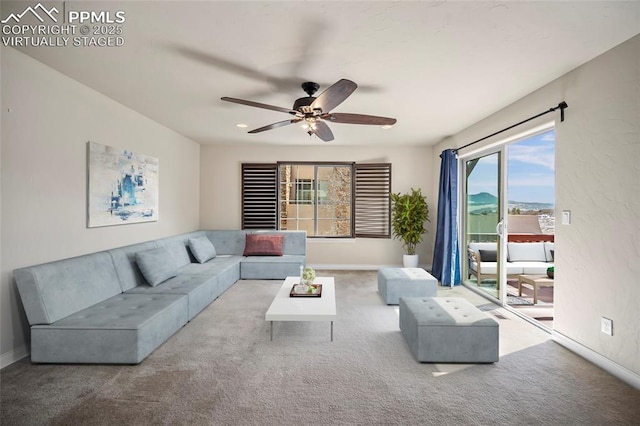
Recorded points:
(263, 245)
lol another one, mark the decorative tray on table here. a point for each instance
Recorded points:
(315, 290)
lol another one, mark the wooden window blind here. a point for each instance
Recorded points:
(371, 198)
(259, 196)
(372, 205)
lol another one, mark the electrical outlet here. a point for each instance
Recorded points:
(606, 326)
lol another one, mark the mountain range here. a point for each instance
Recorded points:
(487, 199)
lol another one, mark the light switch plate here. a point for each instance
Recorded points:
(606, 326)
(566, 217)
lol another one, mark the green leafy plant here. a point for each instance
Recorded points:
(409, 212)
(308, 274)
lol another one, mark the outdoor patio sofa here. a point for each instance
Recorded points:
(117, 306)
(527, 258)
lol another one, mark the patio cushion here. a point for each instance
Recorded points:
(532, 268)
(488, 255)
(549, 251)
(490, 268)
(526, 252)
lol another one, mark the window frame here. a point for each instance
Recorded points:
(370, 205)
(315, 203)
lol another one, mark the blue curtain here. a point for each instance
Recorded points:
(446, 254)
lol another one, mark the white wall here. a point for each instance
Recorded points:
(44, 150)
(597, 179)
(220, 201)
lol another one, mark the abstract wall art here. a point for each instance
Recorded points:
(122, 186)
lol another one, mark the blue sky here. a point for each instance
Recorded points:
(530, 173)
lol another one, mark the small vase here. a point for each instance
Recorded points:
(410, 260)
(302, 286)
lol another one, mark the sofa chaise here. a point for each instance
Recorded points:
(527, 258)
(117, 306)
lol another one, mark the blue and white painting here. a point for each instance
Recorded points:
(123, 186)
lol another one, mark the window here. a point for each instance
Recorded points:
(337, 200)
(316, 198)
(303, 192)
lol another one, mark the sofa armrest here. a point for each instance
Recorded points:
(474, 256)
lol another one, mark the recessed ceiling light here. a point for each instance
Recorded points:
(386, 126)
(242, 125)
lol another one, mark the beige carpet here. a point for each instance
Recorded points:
(221, 369)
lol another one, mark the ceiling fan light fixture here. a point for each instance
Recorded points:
(241, 125)
(386, 126)
(315, 112)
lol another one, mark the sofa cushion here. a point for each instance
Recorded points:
(488, 255)
(533, 268)
(491, 268)
(122, 329)
(271, 267)
(549, 249)
(156, 265)
(482, 246)
(213, 266)
(202, 249)
(233, 241)
(54, 290)
(263, 245)
(526, 252)
(124, 259)
(177, 246)
(200, 289)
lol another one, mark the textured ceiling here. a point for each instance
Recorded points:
(437, 67)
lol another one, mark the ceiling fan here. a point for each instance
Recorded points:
(316, 111)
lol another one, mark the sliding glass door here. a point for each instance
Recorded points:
(484, 213)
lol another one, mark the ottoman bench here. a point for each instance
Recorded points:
(394, 283)
(448, 330)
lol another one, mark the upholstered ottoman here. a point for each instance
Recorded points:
(447, 330)
(394, 283)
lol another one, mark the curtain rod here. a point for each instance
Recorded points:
(561, 106)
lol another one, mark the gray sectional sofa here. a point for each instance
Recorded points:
(100, 307)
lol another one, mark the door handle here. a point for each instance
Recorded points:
(500, 229)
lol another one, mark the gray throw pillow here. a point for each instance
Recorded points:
(156, 265)
(202, 249)
(488, 255)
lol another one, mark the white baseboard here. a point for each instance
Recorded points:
(601, 361)
(359, 267)
(12, 356)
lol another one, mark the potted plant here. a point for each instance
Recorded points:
(408, 215)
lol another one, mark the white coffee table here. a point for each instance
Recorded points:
(287, 308)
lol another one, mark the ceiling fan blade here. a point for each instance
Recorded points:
(347, 118)
(323, 131)
(259, 105)
(275, 125)
(334, 95)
